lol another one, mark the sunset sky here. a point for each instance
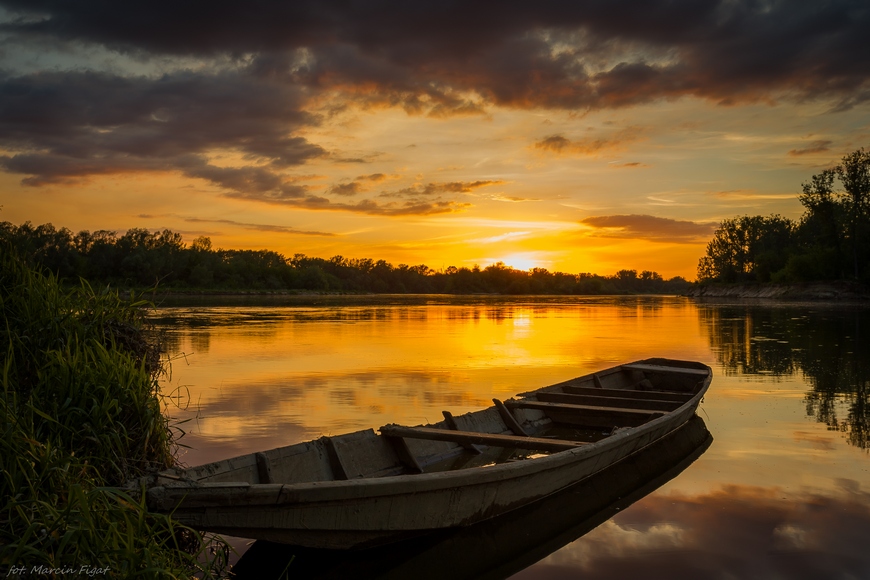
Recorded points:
(573, 136)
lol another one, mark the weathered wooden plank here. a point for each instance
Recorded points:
(590, 416)
(616, 402)
(589, 409)
(242, 468)
(597, 382)
(451, 423)
(509, 419)
(307, 461)
(629, 393)
(406, 456)
(264, 470)
(666, 369)
(338, 470)
(479, 438)
(363, 454)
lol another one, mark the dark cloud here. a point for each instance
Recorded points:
(650, 228)
(263, 184)
(735, 532)
(246, 180)
(247, 226)
(556, 143)
(366, 206)
(71, 125)
(347, 189)
(541, 54)
(258, 227)
(590, 145)
(266, 65)
(819, 146)
(360, 184)
(443, 187)
(376, 177)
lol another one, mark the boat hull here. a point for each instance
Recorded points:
(368, 511)
(499, 547)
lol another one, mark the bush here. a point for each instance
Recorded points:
(818, 264)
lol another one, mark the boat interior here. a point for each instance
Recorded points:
(563, 416)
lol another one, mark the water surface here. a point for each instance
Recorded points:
(783, 492)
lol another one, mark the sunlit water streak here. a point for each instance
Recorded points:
(785, 481)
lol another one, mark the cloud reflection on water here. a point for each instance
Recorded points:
(255, 415)
(734, 532)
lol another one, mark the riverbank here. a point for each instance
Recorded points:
(81, 413)
(841, 290)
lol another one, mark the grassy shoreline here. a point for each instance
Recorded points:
(82, 414)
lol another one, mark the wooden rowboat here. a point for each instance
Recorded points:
(363, 488)
(498, 547)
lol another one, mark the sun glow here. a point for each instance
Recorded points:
(524, 262)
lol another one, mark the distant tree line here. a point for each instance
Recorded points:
(143, 259)
(831, 241)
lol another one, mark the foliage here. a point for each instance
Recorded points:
(142, 259)
(831, 240)
(81, 416)
(747, 248)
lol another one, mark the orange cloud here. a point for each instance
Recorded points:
(560, 144)
(819, 146)
(650, 228)
(442, 187)
(751, 195)
(358, 185)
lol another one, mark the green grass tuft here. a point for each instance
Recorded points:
(82, 414)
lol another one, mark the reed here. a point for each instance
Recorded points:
(82, 414)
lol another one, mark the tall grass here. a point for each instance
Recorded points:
(81, 415)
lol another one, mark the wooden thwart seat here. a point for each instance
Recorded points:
(591, 409)
(665, 369)
(495, 440)
(613, 402)
(629, 394)
(589, 416)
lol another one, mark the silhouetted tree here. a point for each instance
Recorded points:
(854, 174)
(747, 249)
(832, 237)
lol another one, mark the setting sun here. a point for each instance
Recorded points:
(523, 262)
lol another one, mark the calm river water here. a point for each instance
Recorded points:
(782, 492)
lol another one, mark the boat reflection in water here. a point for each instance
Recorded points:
(502, 546)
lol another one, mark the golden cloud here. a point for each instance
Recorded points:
(649, 227)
